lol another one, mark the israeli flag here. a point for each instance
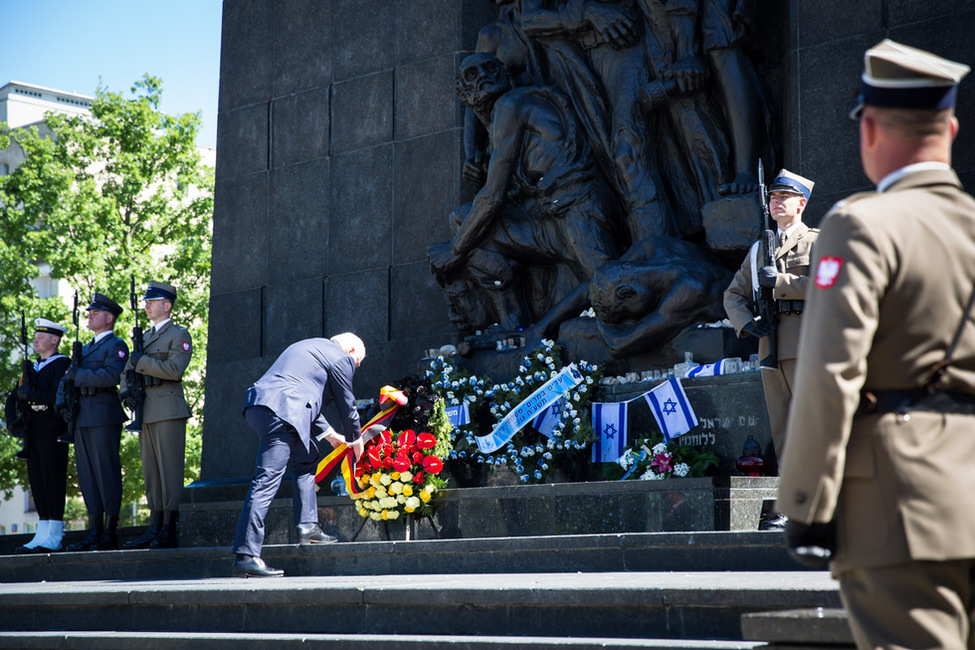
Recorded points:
(609, 423)
(707, 370)
(545, 421)
(670, 408)
(458, 415)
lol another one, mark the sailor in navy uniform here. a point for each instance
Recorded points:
(47, 459)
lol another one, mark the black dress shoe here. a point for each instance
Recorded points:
(246, 566)
(88, 543)
(313, 534)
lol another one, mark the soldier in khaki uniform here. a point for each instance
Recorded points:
(788, 195)
(162, 442)
(882, 428)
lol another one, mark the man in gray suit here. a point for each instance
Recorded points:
(99, 425)
(285, 408)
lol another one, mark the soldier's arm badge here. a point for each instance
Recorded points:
(827, 271)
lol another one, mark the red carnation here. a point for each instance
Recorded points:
(432, 464)
(417, 457)
(426, 441)
(418, 478)
(388, 463)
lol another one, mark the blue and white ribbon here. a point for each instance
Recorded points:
(548, 394)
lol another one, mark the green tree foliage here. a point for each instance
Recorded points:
(99, 197)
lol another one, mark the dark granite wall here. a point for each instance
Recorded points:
(339, 155)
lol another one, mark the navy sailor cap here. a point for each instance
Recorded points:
(49, 327)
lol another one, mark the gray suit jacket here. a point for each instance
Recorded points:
(307, 377)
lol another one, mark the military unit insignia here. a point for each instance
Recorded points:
(827, 271)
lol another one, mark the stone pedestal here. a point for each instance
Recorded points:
(209, 516)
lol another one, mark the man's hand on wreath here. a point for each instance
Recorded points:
(357, 448)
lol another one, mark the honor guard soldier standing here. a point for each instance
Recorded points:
(98, 430)
(879, 471)
(167, 349)
(47, 459)
(788, 280)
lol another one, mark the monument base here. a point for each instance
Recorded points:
(687, 504)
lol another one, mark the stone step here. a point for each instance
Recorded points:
(689, 551)
(213, 641)
(613, 605)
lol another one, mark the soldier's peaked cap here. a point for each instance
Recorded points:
(786, 181)
(49, 327)
(160, 291)
(104, 303)
(899, 76)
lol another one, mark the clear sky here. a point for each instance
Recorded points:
(74, 45)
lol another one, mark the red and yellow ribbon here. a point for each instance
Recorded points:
(344, 456)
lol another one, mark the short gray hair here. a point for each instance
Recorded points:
(351, 344)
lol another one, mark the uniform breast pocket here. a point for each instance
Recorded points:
(793, 262)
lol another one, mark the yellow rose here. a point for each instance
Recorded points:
(394, 476)
(408, 490)
(425, 496)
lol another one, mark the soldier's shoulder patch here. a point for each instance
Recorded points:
(186, 346)
(827, 271)
(121, 354)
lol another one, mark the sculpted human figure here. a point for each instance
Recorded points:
(646, 297)
(544, 202)
(614, 67)
(724, 26)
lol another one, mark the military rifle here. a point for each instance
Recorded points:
(764, 298)
(136, 386)
(69, 392)
(20, 427)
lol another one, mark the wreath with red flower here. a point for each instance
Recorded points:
(399, 473)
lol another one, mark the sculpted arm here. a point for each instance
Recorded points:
(506, 137)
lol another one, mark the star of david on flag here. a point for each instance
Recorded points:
(609, 423)
(545, 421)
(670, 408)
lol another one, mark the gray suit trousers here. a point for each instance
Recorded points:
(279, 443)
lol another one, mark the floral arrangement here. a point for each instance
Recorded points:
(653, 459)
(530, 453)
(399, 473)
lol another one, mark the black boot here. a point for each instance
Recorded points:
(155, 525)
(94, 534)
(169, 536)
(109, 539)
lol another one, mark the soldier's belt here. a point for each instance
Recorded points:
(877, 402)
(152, 382)
(790, 306)
(90, 391)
